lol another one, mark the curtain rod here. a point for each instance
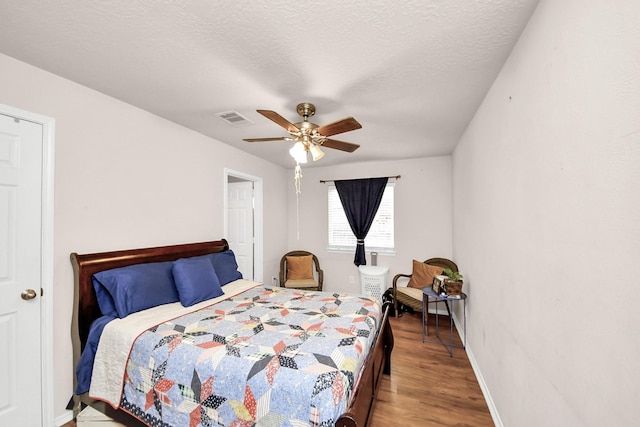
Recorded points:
(322, 181)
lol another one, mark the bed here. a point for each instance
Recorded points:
(357, 388)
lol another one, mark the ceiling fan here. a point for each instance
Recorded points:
(309, 136)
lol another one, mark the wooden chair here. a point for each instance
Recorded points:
(412, 297)
(309, 278)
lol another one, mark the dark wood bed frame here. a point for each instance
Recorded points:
(86, 310)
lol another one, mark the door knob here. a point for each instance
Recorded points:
(28, 294)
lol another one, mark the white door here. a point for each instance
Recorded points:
(20, 272)
(240, 225)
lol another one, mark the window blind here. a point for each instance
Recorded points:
(381, 234)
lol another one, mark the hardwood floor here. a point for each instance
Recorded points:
(426, 387)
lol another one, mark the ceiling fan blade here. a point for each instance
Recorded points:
(278, 119)
(278, 138)
(340, 145)
(344, 125)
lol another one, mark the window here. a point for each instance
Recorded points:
(380, 237)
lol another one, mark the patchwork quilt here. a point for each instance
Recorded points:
(267, 357)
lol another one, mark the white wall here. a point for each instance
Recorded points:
(126, 179)
(423, 198)
(546, 211)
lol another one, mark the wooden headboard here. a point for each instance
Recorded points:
(85, 305)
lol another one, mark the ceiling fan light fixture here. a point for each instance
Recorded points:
(299, 152)
(316, 152)
(310, 136)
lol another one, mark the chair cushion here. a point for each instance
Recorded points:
(423, 274)
(300, 283)
(414, 293)
(411, 297)
(300, 267)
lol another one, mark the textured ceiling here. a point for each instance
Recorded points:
(412, 72)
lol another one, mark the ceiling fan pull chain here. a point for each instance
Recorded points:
(297, 176)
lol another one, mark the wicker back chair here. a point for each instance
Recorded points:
(412, 297)
(314, 284)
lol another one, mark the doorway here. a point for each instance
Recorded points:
(26, 267)
(243, 222)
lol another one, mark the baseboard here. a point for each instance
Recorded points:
(64, 418)
(476, 370)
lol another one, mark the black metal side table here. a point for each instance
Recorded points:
(429, 293)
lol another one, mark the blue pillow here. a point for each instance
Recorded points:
(105, 301)
(196, 280)
(226, 266)
(135, 288)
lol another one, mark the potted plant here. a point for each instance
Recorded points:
(453, 282)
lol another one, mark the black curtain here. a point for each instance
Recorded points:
(360, 199)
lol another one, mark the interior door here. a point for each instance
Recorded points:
(241, 225)
(21, 149)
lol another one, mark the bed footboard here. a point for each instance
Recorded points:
(379, 362)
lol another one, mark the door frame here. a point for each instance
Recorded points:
(258, 244)
(46, 256)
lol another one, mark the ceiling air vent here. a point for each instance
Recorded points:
(234, 118)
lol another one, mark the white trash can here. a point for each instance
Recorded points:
(373, 280)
